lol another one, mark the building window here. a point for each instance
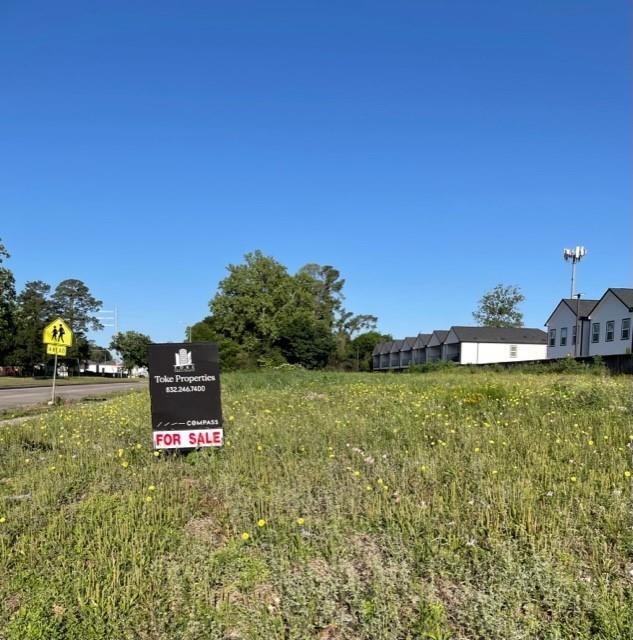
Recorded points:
(626, 329)
(573, 335)
(595, 332)
(513, 351)
(563, 337)
(610, 333)
(552, 337)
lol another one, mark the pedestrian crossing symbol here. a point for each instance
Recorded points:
(58, 333)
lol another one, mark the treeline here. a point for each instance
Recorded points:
(264, 316)
(24, 315)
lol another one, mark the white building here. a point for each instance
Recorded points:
(102, 368)
(568, 328)
(611, 320)
(488, 345)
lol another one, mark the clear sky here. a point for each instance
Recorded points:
(427, 149)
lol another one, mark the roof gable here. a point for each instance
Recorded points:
(422, 340)
(407, 344)
(625, 296)
(585, 307)
(386, 347)
(437, 338)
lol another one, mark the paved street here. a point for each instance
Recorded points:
(37, 395)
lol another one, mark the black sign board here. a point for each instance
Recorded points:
(184, 386)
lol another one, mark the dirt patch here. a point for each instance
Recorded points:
(205, 530)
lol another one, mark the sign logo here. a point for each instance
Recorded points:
(184, 361)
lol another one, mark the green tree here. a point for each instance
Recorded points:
(32, 313)
(306, 340)
(133, 347)
(499, 307)
(7, 308)
(99, 354)
(347, 325)
(362, 346)
(261, 314)
(252, 302)
(231, 356)
(326, 286)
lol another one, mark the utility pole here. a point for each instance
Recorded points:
(578, 337)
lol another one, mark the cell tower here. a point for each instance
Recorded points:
(575, 256)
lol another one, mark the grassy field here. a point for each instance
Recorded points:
(11, 382)
(447, 505)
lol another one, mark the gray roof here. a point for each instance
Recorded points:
(585, 307)
(625, 295)
(396, 346)
(440, 334)
(422, 340)
(407, 344)
(386, 347)
(502, 335)
(377, 349)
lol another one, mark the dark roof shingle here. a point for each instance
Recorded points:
(501, 335)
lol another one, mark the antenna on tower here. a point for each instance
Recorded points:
(574, 256)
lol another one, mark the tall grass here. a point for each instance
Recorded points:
(342, 506)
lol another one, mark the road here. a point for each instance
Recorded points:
(10, 398)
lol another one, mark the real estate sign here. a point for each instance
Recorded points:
(184, 384)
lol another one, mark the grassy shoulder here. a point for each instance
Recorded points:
(441, 506)
(11, 382)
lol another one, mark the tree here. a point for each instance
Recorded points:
(252, 302)
(231, 356)
(98, 354)
(348, 324)
(261, 314)
(7, 307)
(133, 347)
(499, 307)
(32, 313)
(306, 340)
(362, 346)
(326, 285)
(73, 302)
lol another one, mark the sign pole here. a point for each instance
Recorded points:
(54, 374)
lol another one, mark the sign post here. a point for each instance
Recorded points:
(57, 337)
(184, 385)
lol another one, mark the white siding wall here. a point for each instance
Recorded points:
(611, 308)
(489, 353)
(564, 317)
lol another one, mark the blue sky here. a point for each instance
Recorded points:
(428, 150)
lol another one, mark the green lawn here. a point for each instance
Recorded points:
(343, 506)
(8, 382)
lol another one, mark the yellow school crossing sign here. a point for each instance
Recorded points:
(57, 336)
